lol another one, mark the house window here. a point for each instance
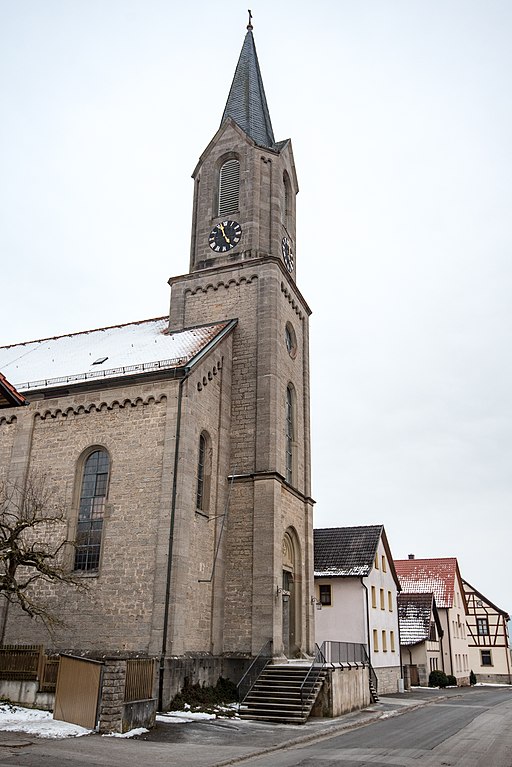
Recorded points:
(203, 474)
(93, 495)
(375, 640)
(374, 597)
(382, 606)
(376, 561)
(433, 633)
(433, 664)
(229, 187)
(390, 601)
(290, 429)
(384, 642)
(392, 640)
(325, 594)
(486, 658)
(384, 567)
(482, 627)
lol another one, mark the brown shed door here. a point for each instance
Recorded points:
(77, 692)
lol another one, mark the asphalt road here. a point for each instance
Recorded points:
(470, 727)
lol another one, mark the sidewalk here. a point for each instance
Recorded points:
(220, 742)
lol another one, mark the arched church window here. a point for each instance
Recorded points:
(93, 496)
(204, 463)
(290, 429)
(287, 200)
(229, 187)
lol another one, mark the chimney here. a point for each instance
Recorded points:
(411, 556)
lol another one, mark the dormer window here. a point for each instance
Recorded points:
(229, 187)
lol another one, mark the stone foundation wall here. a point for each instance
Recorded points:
(344, 690)
(389, 677)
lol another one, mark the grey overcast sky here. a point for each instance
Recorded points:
(401, 120)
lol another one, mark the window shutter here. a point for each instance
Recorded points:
(229, 187)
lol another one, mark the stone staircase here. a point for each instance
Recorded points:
(276, 694)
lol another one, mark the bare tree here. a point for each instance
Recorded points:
(33, 539)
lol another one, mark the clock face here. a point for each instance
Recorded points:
(225, 236)
(287, 253)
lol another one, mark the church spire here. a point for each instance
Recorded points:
(246, 103)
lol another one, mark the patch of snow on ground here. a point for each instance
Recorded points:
(36, 722)
(184, 716)
(129, 734)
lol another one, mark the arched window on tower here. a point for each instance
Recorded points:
(93, 496)
(287, 200)
(290, 432)
(229, 187)
(204, 471)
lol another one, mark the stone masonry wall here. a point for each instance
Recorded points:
(115, 611)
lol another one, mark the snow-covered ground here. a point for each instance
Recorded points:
(41, 723)
(36, 722)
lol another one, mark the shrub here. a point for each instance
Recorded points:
(201, 697)
(472, 678)
(437, 679)
(451, 680)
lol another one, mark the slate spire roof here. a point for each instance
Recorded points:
(247, 104)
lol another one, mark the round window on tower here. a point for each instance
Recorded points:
(291, 340)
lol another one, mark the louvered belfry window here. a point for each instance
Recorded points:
(229, 187)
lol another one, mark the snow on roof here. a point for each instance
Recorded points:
(414, 617)
(436, 576)
(346, 551)
(111, 352)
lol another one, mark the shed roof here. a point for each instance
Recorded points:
(106, 353)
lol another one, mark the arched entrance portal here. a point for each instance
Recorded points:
(291, 589)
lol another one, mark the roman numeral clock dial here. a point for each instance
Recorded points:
(225, 236)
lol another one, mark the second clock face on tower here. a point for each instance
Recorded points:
(225, 236)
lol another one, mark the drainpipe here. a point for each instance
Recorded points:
(363, 584)
(171, 542)
(449, 642)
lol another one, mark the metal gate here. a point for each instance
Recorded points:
(78, 691)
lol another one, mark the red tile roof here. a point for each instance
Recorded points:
(9, 397)
(436, 576)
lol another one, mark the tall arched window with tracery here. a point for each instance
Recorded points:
(93, 496)
(290, 432)
(204, 470)
(229, 187)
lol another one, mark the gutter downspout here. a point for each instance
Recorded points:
(365, 587)
(171, 542)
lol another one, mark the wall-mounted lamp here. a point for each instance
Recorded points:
(285, 594)
(314, 601)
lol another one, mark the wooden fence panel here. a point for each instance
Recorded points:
(140, 676)
(20, 661)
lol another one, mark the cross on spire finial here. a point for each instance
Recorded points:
(249, 25)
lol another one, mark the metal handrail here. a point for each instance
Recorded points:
(314, 672)
(247, 681)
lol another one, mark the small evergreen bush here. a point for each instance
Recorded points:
(437, 679)
(472, 678)
(451, 680)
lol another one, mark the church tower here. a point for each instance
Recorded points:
(243, 267)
